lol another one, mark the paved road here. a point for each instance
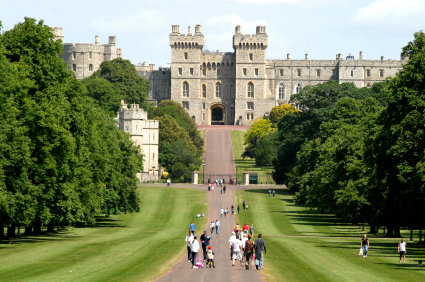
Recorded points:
(218, 159)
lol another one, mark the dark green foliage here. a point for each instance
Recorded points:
(265, 150)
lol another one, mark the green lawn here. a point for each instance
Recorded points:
(248, 165)
(131, 247)
(304, 245)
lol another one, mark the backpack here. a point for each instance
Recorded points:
(249, 245)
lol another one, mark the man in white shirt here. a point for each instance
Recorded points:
(402, 250)
(217, 226)
(188, 240)
(194, 247)
(236, 245)
(230, 242)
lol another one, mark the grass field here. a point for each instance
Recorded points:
(304, 245)
(131, 247)
(248, 165)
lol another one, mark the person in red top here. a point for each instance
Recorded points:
(245, 228)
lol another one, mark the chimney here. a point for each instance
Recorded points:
(175, 29)
(288, 56)
(198, 28)
(306, 56)
(361, 55)
(96, 39)
(189, 31)
(238, 29)
(382, 58)
(112, 39)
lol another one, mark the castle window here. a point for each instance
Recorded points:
(90, 55)
(232, 72)
(368, 73)
(256, 72)
(298, 88)
(250, 105)
(204, 72)
(203, 106)
(74, 67)
(250, 90)
(74, 55)
(204, 91)
(164, 91)
(318, 73)
(90, 67)
(251, 56)
(298, 72)
(180, 71)
(185, 105)
(191, 71)
(218, 90)
(381, 73)
(281, 72)
(352, 73)
(218, 71)
(244, 71)
(252, 116)
(247, 116)
(281, 91)
(203, 116)
(185, 56)
(232, 91)
(185, 89)
(333, 72)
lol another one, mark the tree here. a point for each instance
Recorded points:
(279, 111)
(265, 150)
(260, 127)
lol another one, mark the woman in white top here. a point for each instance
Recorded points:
(212, 225)
(194, 247)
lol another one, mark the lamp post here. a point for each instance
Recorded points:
(236, 174)
(203, 173)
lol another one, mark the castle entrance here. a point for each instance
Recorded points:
(218, 114)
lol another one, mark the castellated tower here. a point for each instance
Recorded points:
(85, 58)
(144, 133)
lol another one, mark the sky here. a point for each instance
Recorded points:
(320, 28)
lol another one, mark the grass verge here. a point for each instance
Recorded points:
(248, 165)
(304, 245)
(130, 247)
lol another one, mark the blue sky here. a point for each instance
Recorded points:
(321, 28)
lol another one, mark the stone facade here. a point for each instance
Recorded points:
(240, 86)
(85, 58)
(144, 133)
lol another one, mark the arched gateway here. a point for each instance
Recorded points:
(218, 114)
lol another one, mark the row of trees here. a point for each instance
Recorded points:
(360, 152)
(62, 158)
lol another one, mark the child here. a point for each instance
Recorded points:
(210, 256)
(420, 263)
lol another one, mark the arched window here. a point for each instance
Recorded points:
(250, 90)
(90, 67)
(164, 91)
(298, 88)
(185, 89)
(218, 90)
(204, 91)
(281, 91)
(74, 67)
(232, 91)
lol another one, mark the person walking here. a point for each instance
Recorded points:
(236, 245)
(192, 228)
(251, 230)
(221, 190)
(206, 241)
(270, 192)
(217, 226)
(245, 228)
(212, 225)
(233, 209)
(365, 245)
(259, 245)
(210, 256)
(402, 250)
(238, 208)
(243, 205)
(274, 193)
(168, 182)
(194, 247)
(189, 239)
(230, 242)
(224, 189)
(221, 212)
(249, 250)
(226, 211)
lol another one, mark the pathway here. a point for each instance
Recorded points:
(218, 159)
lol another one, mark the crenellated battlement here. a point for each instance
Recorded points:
(186, 41)
(258, 41)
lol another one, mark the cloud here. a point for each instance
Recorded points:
(389, 11)
(146, 21)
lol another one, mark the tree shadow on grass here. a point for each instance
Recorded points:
(101, 222)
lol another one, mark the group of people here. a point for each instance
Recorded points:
(193, 246)
(401, 249)
(242, 248)
(215, 225)
(270, 193)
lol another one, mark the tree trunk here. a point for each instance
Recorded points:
(37, 228)
(363, 226)
(19, 230)
(384, 229)
(390, 231)
(1, 230)
(420, 235)
(397, 231)
(372, 229)
(411, 234)
(50, 227)
(11, 231)
(28, 230)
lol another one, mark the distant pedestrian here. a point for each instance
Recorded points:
(224, 189)
(230, 241)
(221, 212)
(192, 228)
(259, 245)
(194, 247)
(274, 193)
(212, 225)
(270, 192)
(217, 226)
(210, 256)
(233, 209)
(238, 208)
(365, 245)
(168, 182)
(249, 250)
(245, 228)
(402, 250)
(243, 204)
(226, 211)
(236, 245)
(221, 190)
(189, 239)
(251, 229)
(206, 241)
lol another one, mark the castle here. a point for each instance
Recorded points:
(84, 58)
(144, 133)
(240, 86)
